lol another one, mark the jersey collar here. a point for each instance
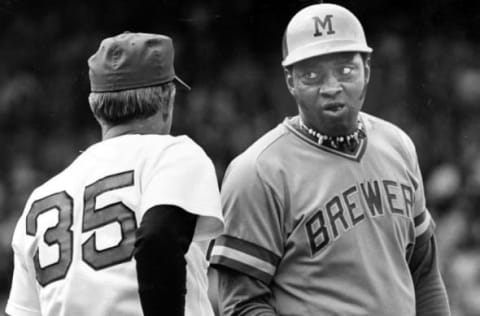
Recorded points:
(293, 124)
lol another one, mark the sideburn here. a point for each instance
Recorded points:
(362, 96)
(169, 103)
(366, 61)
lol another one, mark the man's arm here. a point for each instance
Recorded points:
(240, 294)
(162, 240)
(430, 292)
(24, 298)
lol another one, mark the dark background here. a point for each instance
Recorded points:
(425, 78)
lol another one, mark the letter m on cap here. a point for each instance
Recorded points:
(325, 24)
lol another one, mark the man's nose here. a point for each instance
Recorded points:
(330, 87)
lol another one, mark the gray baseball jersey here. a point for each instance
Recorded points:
(331, 233)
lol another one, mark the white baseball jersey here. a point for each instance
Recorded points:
(74, 242)
(329, 232)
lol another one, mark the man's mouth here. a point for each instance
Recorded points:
(334, 107)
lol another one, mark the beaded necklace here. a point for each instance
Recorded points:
(336, 141)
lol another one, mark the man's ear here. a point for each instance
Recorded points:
(367, 69)
(289, 80)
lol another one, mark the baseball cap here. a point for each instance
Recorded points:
(132, 60)
(321, 29)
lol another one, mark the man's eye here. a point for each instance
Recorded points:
(346, 71)
(310, 75)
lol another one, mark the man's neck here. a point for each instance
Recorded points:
(134, 127)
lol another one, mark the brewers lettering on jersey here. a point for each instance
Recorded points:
(123, 229)
(325, 214)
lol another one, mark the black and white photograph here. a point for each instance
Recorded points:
(240, 158)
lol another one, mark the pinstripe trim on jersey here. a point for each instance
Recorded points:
(244, 257)
(424, 227)
(355, 156)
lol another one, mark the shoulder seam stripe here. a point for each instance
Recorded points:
(420, 229)
(420, 218)
(251, 261)
(242, 268)
(248, 248)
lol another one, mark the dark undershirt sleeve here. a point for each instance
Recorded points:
(241, 295)
(162, 240)
(430, 292)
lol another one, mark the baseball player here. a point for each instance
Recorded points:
(325, 214)
(123, 229)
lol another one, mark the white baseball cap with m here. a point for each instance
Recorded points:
(322, 29)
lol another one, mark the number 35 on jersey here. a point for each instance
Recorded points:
(54, 255)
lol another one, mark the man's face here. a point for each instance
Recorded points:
(330, 90)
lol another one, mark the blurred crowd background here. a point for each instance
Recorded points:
(426, 79)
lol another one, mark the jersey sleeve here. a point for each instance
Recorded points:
(424, 224)
(23, 299)
(253, 241)
(182, 175)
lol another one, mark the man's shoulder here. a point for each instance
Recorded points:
(384, 128)
(120, 150)
(372, 121)
(267, 146)
(159, 142)
(262, 156)
(144, 147)
(181, 143)
(389, 135)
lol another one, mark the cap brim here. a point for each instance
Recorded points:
(323, 48)
(182, 83)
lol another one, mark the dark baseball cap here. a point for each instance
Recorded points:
(132, 60)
